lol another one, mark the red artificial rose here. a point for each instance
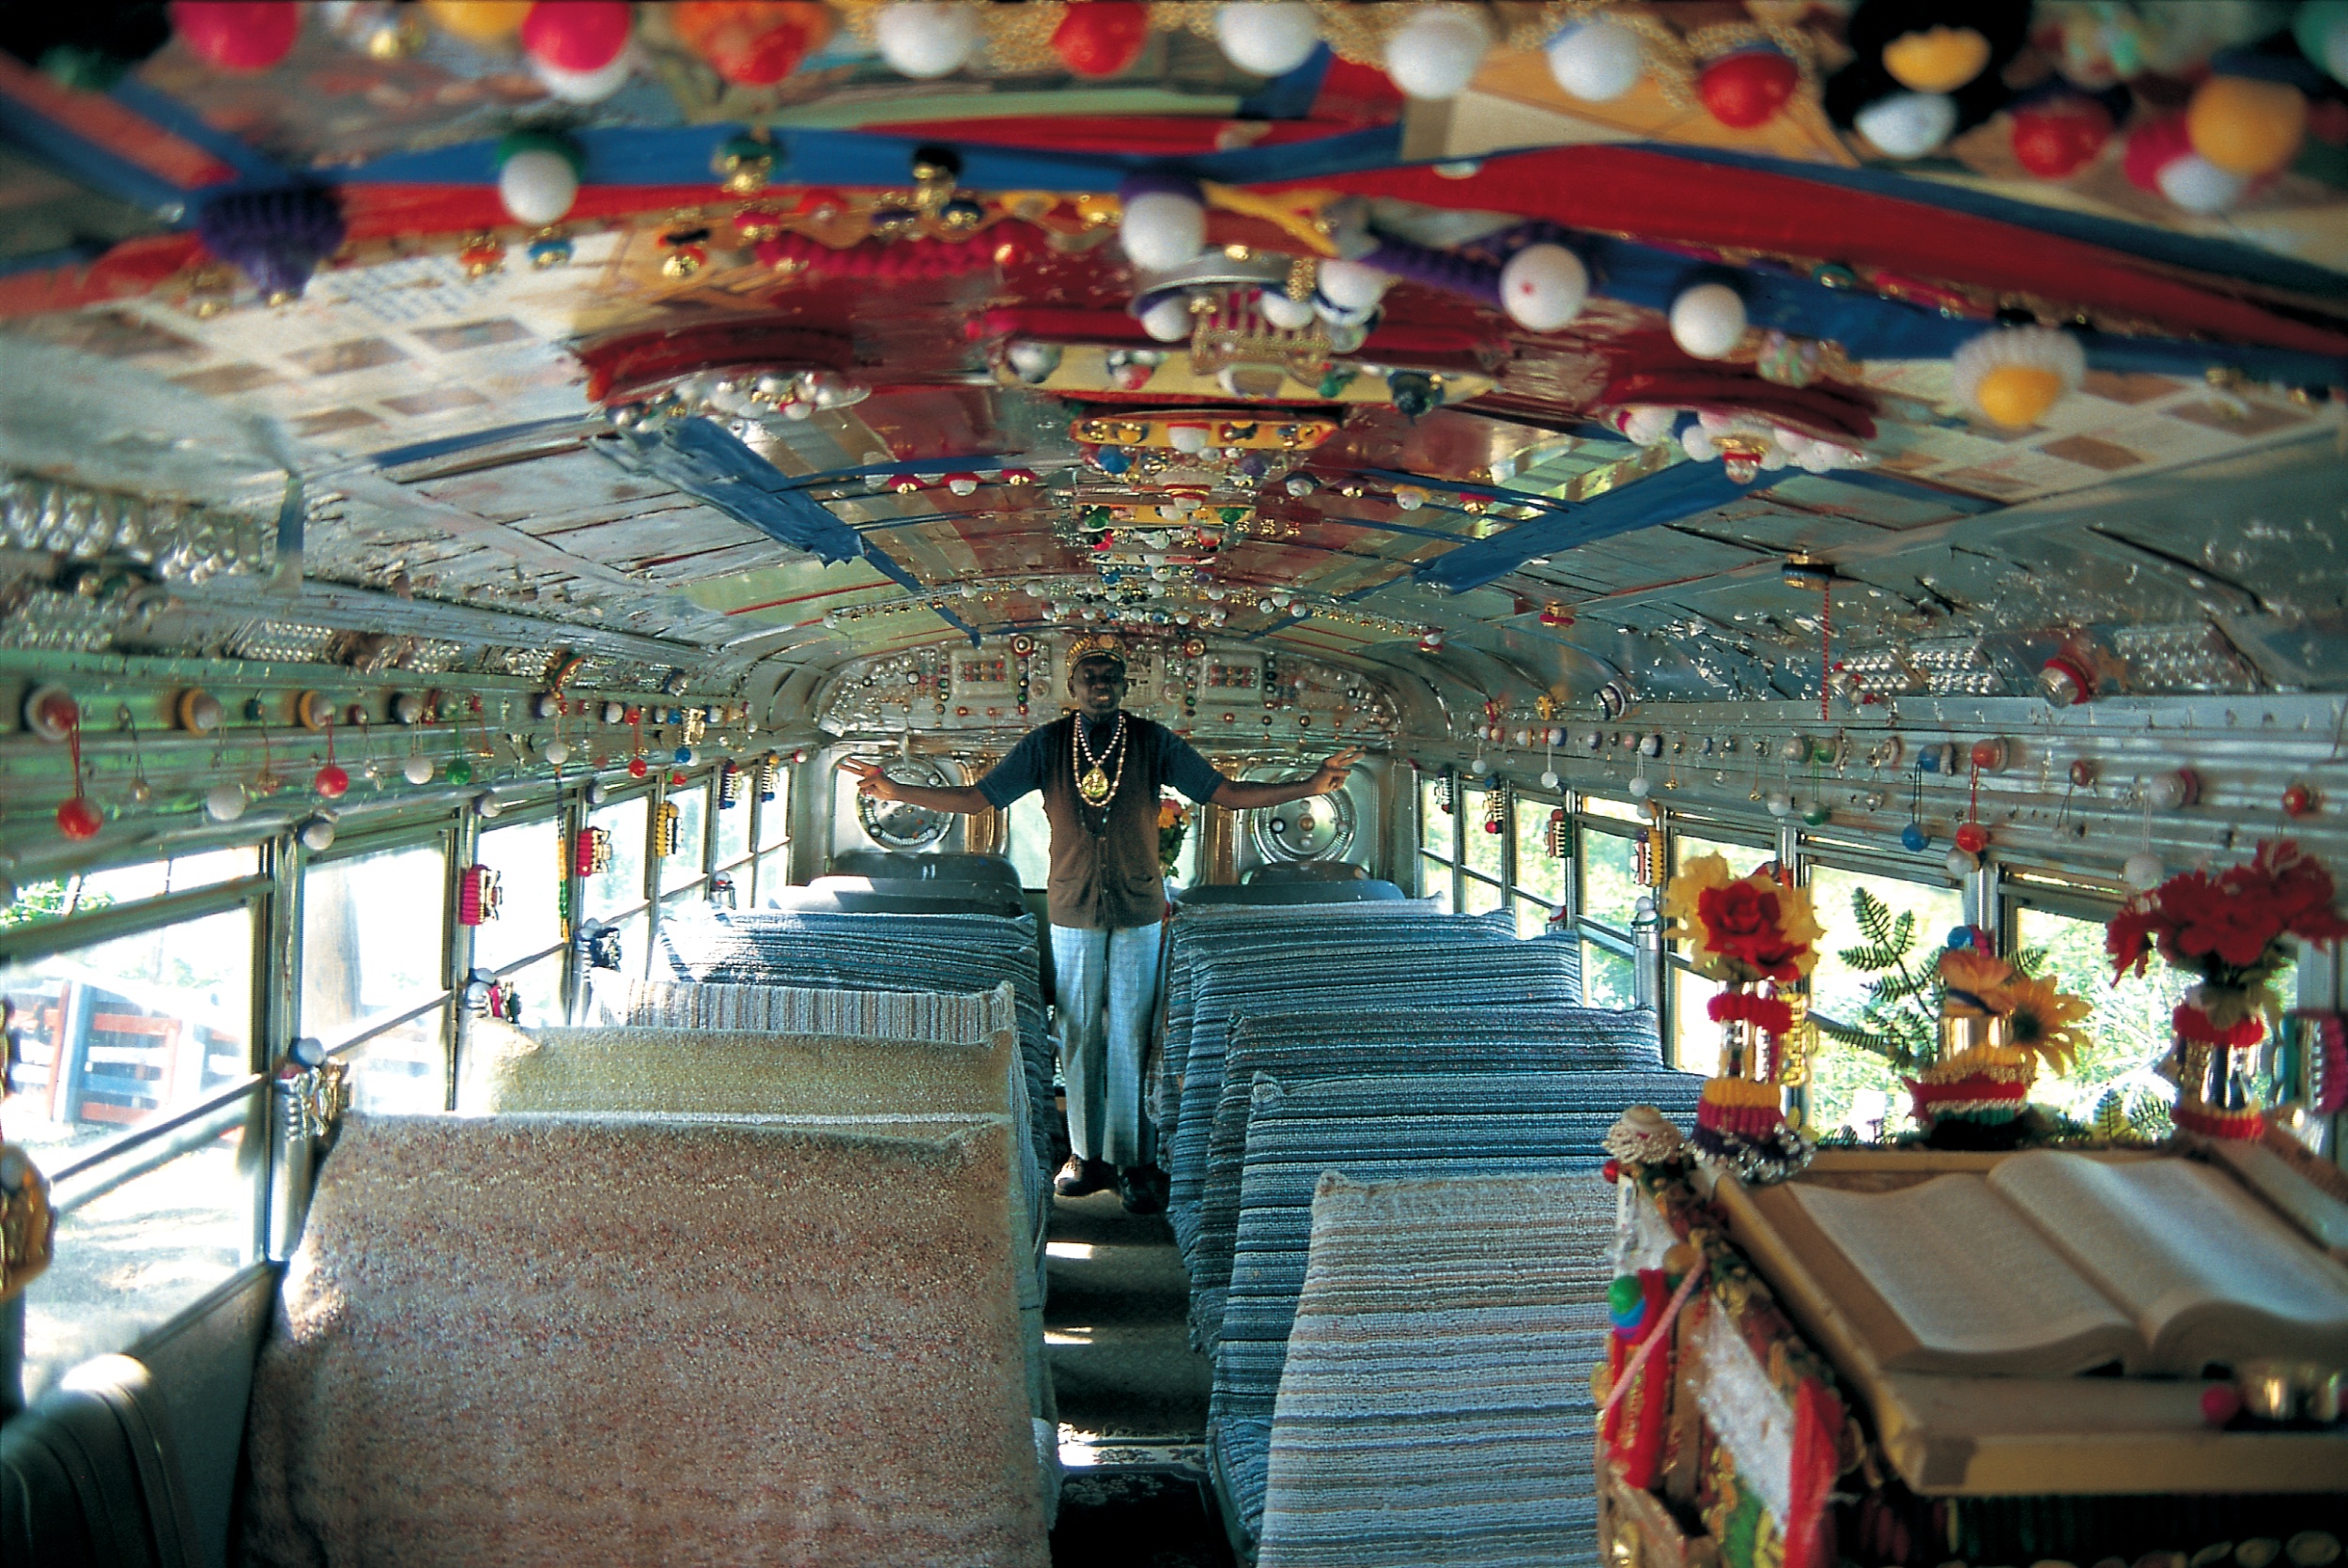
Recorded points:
(1740, 923)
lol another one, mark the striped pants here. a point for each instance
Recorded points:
(1107, 985)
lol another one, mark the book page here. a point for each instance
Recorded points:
(2206, 1271)
(1978, 1288)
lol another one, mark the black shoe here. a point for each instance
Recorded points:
(1079, 1178)
(1142, 1188)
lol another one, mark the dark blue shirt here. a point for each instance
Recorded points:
(1024, 770)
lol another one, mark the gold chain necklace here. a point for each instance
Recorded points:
(1094, 787)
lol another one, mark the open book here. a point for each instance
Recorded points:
(2054, 1263)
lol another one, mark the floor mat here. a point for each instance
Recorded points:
(1137, 1519)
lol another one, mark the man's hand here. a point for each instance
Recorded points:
(1332, 772)
(871, 779)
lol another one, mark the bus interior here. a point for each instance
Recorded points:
(485, 1085)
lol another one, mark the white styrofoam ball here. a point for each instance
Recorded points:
(537, 186)
(1773, 459)
(1708, 320)
(1269, 37)
(1162, 230)
(1032, 360)
(1907, 124)
(1961, 864)
(1169, 320)
(1596, 61)
(586, 86)
(417, 770)
(923, 38)
(2198, 185)
(2143, 871)
(1543, 287)
(318, 834)
(1349, 285)
(1284, 312)
(1548, 779)
(1792, 442)
(1437, 52)
(1815, 459)
(1649, 425)
(1697, 443)
(224, 802)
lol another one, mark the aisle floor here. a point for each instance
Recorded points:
(1133, 1394)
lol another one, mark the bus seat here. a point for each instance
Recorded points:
(874, 951)
(1391, 1376)
(1480, 1126)
(1428, 1045)
(865, 896)
(1277, 871)
(1349, 891)
(1471, 960)
(91, 1474)
(619, 1338)
(896, 865)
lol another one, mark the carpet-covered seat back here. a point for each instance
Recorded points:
(1426, 1045)
(1440, 1413)
(947, 1017)
(874, 952)
(540, 1339)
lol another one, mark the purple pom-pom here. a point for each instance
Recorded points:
(1445, 269)
(275, 237)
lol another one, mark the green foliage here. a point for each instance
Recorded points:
(2131, 1113)
(1900, 1020)
(49, 900)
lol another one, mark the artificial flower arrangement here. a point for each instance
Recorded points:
(1753, 934)
(2228, 929)
(1173, 824)
(1998, 1024)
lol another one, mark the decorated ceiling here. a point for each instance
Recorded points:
(1696, 351)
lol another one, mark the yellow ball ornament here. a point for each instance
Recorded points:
(2245, 126)
(2018, 396)
(1936, 60)
(479, 21)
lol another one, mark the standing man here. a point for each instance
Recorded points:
(1100, 769)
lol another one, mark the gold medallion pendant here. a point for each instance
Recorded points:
(1095, 787)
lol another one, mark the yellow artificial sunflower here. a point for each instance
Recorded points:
(2041, 1019)
(1799, 922)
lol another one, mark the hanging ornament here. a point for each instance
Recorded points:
(1437, 52)
(581, 50)
(1937, 59)
(77, 818)
(1746, 89)
(318, 834)
(1708, 320)
(926, 38)
(1597, 60)
(1907, 124)
(2012, 376)
(1267, 39)
(1164, 221)
(2057, 137)
(2160, 159)
(2300, 801)
(1543, 287)
(1101, 37)
(276, 238)
(224, 801)
(2247, 127)
(479, 22)
(2143, 871)
(1961, 864)
(2322, 31)
(331, 781)
(417, 769)
(752, 43)
(1349, 286)
(538, 176)
(1914, 838)
(242, 35)
(2175, 790)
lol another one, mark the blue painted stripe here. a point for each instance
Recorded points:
(84, 161)
(400, 457)
(1677, 492)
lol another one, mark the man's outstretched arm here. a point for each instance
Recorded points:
(1330, 776)
(964, 799)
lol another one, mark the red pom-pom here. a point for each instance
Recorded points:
(577, 35)
(2057, 139)
(1972, 837)
(238, 35)
(77, 819)
(331, 781)
(2220, 1404)
(2151, 149)
(1612, 1170)
(1748, 89)
(1101, 37)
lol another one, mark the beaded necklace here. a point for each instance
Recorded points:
(1094, 787)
